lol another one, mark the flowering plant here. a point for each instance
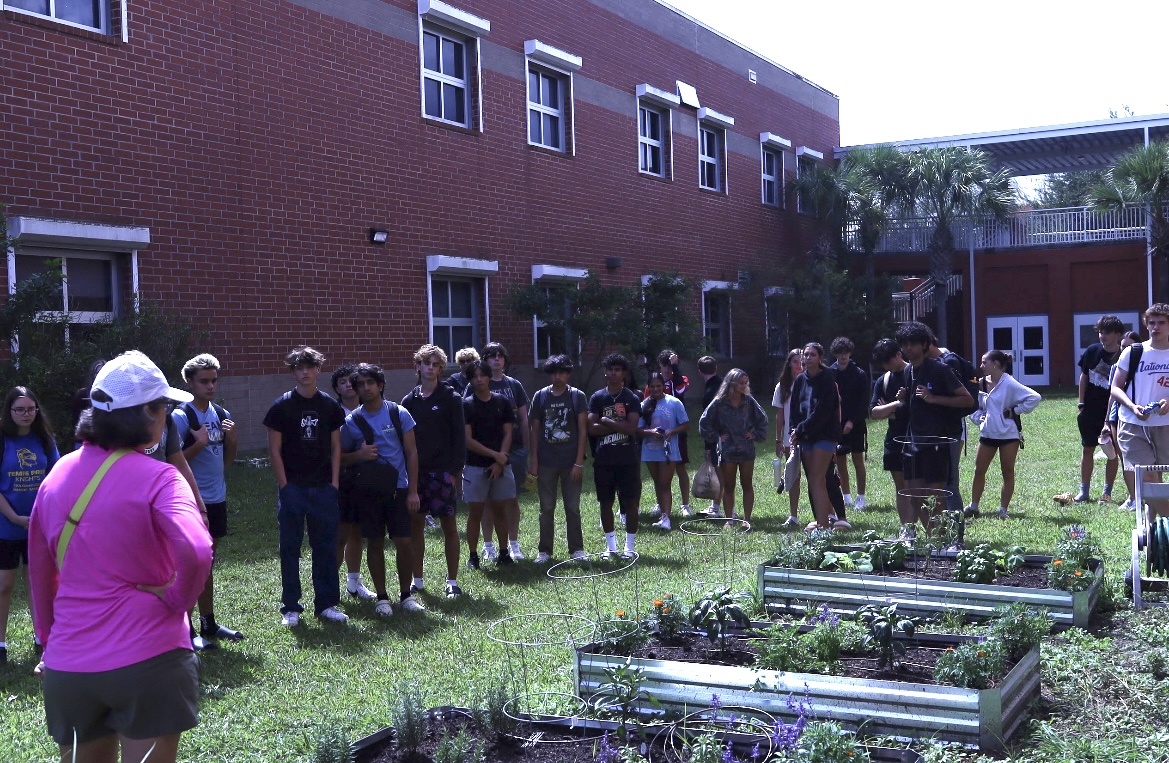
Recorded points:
(620, 635)
(972, 665)
(668, 617)
(1064, 575)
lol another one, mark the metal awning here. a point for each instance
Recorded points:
(1058, 148)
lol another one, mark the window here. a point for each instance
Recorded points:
(710, 158)
(772, 177)
(650, 141)
(444, 80)
(555, 340)
(806, 160)
(89, 14)
(777, 323)
(716, 317)
(454, 319)
(88, 295)
(546, 99)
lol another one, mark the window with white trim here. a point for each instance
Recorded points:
(772, 171)
(547, 99)
(555, 340)
(454, 313)
(88, 296)
(716, 322)
(776, 322)
(87, 14)
(804, 166)
(710, 157)
(446, 92)
(651, 141)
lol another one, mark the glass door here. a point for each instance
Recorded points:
(1025, 337)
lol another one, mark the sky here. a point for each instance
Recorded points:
(922, 69)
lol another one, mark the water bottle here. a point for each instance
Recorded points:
(777, 466)
(1106, 446)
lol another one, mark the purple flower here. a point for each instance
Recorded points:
(715, 702)
(755, 754)
(728, 753)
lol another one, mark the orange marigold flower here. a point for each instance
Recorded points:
(658, 602)
(665, 610)
(982, 654)
(620, 613)
(949, 649)
(1078, 573)
(1057, 562)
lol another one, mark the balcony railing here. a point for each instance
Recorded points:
(913, 305)
(1040, 227)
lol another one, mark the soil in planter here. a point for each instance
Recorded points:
(917, 664)
(1026, 576)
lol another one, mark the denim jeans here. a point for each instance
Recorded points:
(547, 480)
(316, 507)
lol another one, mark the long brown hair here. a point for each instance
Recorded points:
(40, 424)
(787, 378)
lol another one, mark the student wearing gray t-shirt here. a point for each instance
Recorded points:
(559, 436)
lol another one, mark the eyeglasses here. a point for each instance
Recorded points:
(24, 411)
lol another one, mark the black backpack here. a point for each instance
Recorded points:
(376, 478)
(193, 422)
(966, 374)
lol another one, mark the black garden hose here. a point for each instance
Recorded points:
(1157, 547)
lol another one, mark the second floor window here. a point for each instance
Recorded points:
(772, 167)
(445, 91)
(710, 174)
(545, 108)
(650, 141)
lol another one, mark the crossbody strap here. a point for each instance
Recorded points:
(83, 503)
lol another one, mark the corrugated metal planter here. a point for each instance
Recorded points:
(848, 591)
(984, 718)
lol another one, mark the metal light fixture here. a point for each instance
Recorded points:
(378, 236)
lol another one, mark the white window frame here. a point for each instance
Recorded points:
(805, 158)
(556, 111)
(772, 145)
(553, 63)
(105, 12)
(1080, 321)
(712, 129)
(553, 276)
(445, 268)
(462, 28)
(721, 290)
(656, 101)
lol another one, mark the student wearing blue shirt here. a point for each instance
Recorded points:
(387, 508)
(29, 453)
(663, 418)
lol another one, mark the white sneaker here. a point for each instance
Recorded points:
(628, 553)
(579, 556)
(1128, 505)
(1002, 514)
(516, 554)
(686, 510)
(361, 592)
(383, 608)
(490, 554)
(713, 510)
(848, 501)
(543, 558)
(290, 619)
(790, 523)
(663, 523)
(861, 504)
(410, 604)
(333, 615)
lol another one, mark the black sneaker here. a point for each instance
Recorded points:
(473, 562)
(3, 655)
(504, 558)
(453, 591)
(200, 644)
(218, 632)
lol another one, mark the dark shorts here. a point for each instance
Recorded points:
(217, 519)
(856, 441)
(930, 464)
(13, 553)
(994, 442)
(153, 698)
(891, 458)
(1090, 420)
(381, 515)
(684, 448)
(346, 508)
(614, 480)
(436, 491)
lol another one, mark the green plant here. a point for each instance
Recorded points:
(884, 624)
(971, 665)
(605, 752)
(705, 748)
(847, 561)
(982, 564)
(716, 612)
(827, 742)
(489, 710)
(408, 717)
(803, 552)
(622, 696)
(1065, 576)
(668, 618)
(1020, 628)
(621, 635)
(784, 648)
(332, 745)
(1076, 545)
(885, 554)
(458, 748)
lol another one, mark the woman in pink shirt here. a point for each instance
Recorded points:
(118, 667)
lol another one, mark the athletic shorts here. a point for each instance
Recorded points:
(1143, 445)
(995, 442)
(347, 511)
(436, 491)
(13, 553)
(613, 480)
(477, 488)
(930, 464)
(891, 458)
(153, 698)
(1090, 420)
(217, 519)
(856, 441)
(382, 515)
(828, 445)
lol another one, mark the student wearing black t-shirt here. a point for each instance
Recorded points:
(488, 481)
(614, 413)
(305, 447)
(1093, 398)
(854, 385)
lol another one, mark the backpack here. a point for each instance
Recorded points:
(1135, 351)
(193, 422)
(374, 478)
(966, 374)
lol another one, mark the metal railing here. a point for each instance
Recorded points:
(912, 305)
(1039, 227)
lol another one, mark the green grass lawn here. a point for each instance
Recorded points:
(266, 698)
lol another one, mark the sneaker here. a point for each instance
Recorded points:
(490, 554)
(431, 523)
(610, 553)
(453, 591)
(1081, 497)
(970, 512)
(628, 553)
(841, 524)
(361, 592)
(831, 519)
(790, 523)
(656, 512)
(290, 619)
(415, 588)
(503, 558)
(686, 510)
(410, 604)
(516, 554)
(383, 608)
(333, 615)
(908, 532)
(1128, 506)
(543, 557)
(712, 510)
(200, 644)
(861, 504)
(663, 523)
(580, 556)
(220, 632)
(473, 562)
(848, 501)
(1105, 498)
(1002, 514)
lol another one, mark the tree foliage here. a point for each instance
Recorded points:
(1066, 189)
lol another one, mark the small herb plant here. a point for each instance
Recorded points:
(1020, 628)
(621, 635)
(982, 564)
(1068, 569)
(847, 561)
(885, 555)
(408, 717)
(606, 752)
(668, 618)
(1065, 576)
(884, 623)
(803, 552)
(622, 696)
(972, 665)
(826, 742)
(716, 612)
(458, 748)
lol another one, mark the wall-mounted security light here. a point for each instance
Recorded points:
(378, 236)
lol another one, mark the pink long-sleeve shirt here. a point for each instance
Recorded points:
(142, 527)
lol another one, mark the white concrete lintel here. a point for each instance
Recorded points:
(557, 273)
(658, 97)
(809, 152)
(442, 264)
(447, 15)
(544, 53)
(719, 286)
(712, 116)
(771, 140)
(39, 231)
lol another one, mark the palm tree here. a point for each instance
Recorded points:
(1142, 176)
(881, 173)
(944, 185)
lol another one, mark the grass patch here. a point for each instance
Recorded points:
(272, 696)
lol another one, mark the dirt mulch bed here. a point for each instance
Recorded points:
(1026, 576)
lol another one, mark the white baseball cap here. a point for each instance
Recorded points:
(132, 379)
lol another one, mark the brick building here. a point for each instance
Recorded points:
(232, 160)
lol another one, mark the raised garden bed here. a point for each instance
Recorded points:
(985, 718)
(785, 589)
